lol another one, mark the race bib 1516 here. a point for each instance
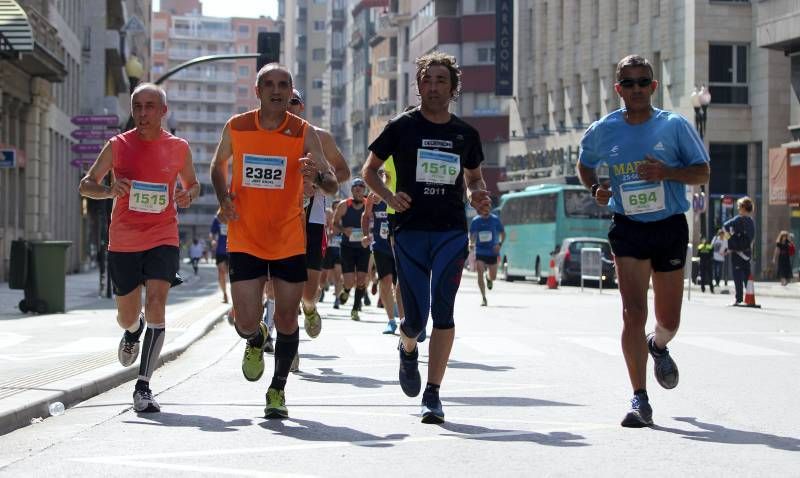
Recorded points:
(264, 172)
(148, 197)
(437, 167)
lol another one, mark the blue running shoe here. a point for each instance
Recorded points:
(422, 336)
(640, 414)
(664, 367)
(432, 412)
(409, 378)
(391, 326)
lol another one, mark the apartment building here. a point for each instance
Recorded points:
(202, 98)
(566, 53)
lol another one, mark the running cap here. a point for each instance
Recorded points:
(296, 95)
(358, 182)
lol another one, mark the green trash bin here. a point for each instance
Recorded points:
(45, 289)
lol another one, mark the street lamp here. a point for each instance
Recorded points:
(134, 70)
(700, 101)
(172, 123)
(698, 114)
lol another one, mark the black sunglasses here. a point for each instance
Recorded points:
(295, 101)
(642, 82)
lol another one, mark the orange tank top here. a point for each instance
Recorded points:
(146, 217)
(267, 187)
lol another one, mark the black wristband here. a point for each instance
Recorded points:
(595, 187)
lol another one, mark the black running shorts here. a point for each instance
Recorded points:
(220, 258)
(663, 242)
(314, 234)
(129, 270)
(488, 260)
(384, 263)
(243, 266)
(355, 259)
(332, 257)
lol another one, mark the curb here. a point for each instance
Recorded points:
(20, 409)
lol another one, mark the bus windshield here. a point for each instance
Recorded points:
(581, 204)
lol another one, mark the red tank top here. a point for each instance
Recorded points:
(147, 217)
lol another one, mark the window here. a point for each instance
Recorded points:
(595, 17)
(729, 174)
(582, 205)
(482, 6)
(159, 45)
(319, 25)
(614, 14)
(318, 111)
(486, 55)
(656, 8)
(318, 54)
(244, 30)
(727, 74)
(244, 71)
(242, 91)
(317, 83)
(634, 5)
(530, 209)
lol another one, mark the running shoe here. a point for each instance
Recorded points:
(269, 345)
(432, 408)
(143, 402)
(312, 323)
(664, 367)
(253, 360)
(343, 296)
(128, 350)
(276, 404)
(354, 315)
(410, 381)
(336, 303)
(422, 336)
(295, 366)
(489, 283)
(367, 301)
(640, 414)
(391, 326)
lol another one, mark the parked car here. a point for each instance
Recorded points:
(568, 260)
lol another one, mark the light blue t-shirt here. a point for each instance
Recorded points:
(667, 137)
(487, 232)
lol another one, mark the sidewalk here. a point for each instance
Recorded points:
(71, 357)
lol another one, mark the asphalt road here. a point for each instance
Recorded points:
(536, 386)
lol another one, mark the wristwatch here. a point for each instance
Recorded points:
(595, 187)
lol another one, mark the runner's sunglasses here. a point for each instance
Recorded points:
(642, 82)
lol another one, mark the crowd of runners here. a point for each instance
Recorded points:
(283, 236)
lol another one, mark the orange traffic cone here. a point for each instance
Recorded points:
(552, 283)
(750, 294)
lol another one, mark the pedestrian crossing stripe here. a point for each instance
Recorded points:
(730, 347)
(604, 345)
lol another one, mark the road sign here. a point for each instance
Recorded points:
(89, 148)
(96, 120)
(592, 265)
(101, 134)
(133, 25)
(81, 161)
(8, 158)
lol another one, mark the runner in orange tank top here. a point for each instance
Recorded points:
(273, 153)
(143, 248)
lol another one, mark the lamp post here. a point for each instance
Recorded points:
(134, 70)
(698, 113)
(700, 101)
(172, 123)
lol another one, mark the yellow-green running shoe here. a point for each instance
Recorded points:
(276, 404)
(312, 323)
(354, 315)
(253, 360)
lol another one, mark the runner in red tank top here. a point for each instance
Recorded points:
(143, 237)
(273, 153)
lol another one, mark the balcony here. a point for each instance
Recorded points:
(201, 34)
(338, 91)
(386, 67)
(202, 96)
(194, 74)
(384, 26)
(197, 137)
(383, 108)
(183, 54)
(218, 118)
(338, 17)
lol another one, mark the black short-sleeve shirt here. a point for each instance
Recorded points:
(429, 163)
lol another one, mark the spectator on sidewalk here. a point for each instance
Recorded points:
(704, 252)
(195, 253)
(720, 247)
(741, 231)
(784, 250)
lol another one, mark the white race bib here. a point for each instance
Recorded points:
(640, 197)
(148, 197)
(335, 240)
(384, 231)
(264, 172)
(437, 167)
(484, 236)
(223, 229)
(356, 234)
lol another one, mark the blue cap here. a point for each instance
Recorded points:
(358, 182)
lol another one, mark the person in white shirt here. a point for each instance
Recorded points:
(720, 247)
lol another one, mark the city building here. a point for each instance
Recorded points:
(566, 53)
(203, 97)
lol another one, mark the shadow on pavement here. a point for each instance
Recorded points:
(507, 402)
(472, 432)
(331, 376)
(201, 422)
(306, 356)
(315, 431)
(719, 434)
(478, 366)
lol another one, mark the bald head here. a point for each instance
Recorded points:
(151, 88)
(271, 67)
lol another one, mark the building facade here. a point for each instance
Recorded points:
(567, 51)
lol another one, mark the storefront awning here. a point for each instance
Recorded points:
(16, 34)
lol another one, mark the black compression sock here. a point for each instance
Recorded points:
(256, 340)
(134, 336)
(641, 393)
(360, 291)
(285, 349)
(432, 388)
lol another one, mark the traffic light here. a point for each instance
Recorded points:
(269, 46)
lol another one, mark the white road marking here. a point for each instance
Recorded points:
(730, 347)
(496, 346)
(71, 323)
(603, 345)
(9, 339)
(794, 339)
(375, 345)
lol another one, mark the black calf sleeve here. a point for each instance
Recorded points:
(285, 349)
